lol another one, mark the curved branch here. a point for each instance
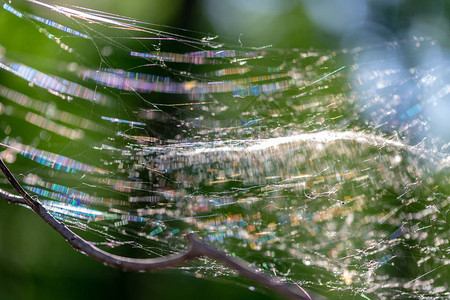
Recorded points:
(197, 248)
(8, 197)
(245, 270)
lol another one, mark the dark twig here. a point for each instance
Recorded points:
(4, 195)
(197, 248)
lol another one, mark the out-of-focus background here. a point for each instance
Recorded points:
(36, 263)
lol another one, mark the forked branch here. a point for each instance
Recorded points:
(197, 248)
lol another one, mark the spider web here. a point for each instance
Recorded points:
(324, 168)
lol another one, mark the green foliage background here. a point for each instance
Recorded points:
(36, 263)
